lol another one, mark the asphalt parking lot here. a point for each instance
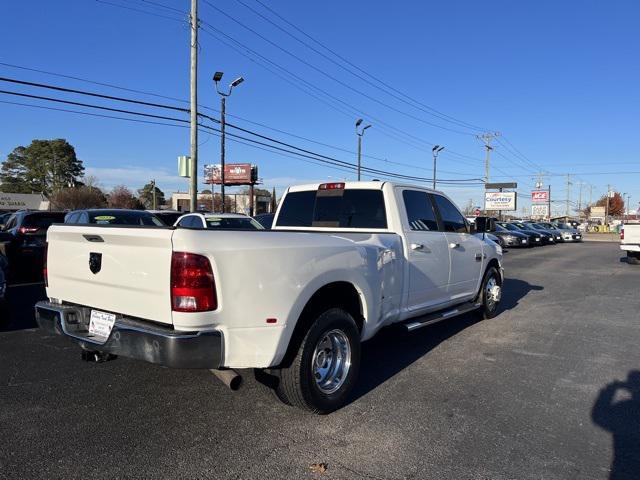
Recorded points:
(526, 395)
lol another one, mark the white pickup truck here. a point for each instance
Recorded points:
(342, 261)
(630, 241)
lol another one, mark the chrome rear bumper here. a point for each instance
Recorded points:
(136, 339)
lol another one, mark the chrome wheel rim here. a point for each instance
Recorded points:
(493, 293)
(331, 361)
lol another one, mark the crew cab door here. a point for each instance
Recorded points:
(427, 252)
(465, 250)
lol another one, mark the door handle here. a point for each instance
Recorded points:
(454, 245)
(417, 246)
(479, 257)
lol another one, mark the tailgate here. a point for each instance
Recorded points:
(631, 234)
(131, 269)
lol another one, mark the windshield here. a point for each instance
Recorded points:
(508, 226)
(123, 217)
(232, 223)
(43, 220)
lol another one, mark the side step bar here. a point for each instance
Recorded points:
(436, 317)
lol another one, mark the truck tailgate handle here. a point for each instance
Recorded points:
(93, 238)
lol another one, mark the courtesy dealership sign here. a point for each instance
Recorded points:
(505, 201)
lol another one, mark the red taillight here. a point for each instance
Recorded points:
(45, 273)
(622, 234)
(24, 230)
(331, 186)
(193, 288)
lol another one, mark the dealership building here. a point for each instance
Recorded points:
(236, 202)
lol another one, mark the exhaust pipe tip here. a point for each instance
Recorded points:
(229, 377)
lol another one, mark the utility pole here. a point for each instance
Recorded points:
(549, 202)
(223, 109)
(568, 193)
(153, 186)
(486, 138)
(193, 183)
(580, 202)
(360, 133)
(435, 150)
(606, 206)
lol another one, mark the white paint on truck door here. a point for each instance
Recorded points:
(465, 251)
(427, 252)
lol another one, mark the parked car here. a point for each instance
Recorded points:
(168, 217)
(218, 221)
(546, 237)
(113, 216)
(265, 219)
(25, 248)
(555, 234)
(630, 241)
(511, 238)
(569, 233)
(536, 238)
(342, 261)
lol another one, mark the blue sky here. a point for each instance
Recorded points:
(559, 80)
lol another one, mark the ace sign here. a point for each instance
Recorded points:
(540, 196)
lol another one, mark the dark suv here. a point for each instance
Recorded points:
(26, 235)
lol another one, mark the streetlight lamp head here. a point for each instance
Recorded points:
(237, 82)
(217, 76)
(435, 147)
(440, 149)
(368, 126)
(358, 122)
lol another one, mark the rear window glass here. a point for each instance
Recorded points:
(123, 218)
(354, 208)
(231, 223)
(43, 220)
(297, 209)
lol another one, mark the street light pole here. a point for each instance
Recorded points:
(360, 133)
(223, 108)
(435, 150)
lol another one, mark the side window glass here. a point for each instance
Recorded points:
(11, 222)
(72, 218)
(185, 222)
(83, 218)
(420, 212)
(451, 217)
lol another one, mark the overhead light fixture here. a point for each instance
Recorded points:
(217, 76)
(237, 82)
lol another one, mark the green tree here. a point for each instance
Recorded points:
(145, 194)
(45, 166)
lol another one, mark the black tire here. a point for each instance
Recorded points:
(297, 385)
(633, 258)
(489, 309)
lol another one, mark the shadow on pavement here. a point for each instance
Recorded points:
(20, 312)
(622, 419)
(393, 349)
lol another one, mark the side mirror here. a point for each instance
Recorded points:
(485, 224)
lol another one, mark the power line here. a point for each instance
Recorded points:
(139, 10)
(305, 153)
(335, 79)
(429, 111)
(469, 125)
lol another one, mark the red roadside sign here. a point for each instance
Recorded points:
(540, 196)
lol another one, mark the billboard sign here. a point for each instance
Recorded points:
(234, 174)
(540, 210)
(505, 201)
(23, 201)
(540, 196)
